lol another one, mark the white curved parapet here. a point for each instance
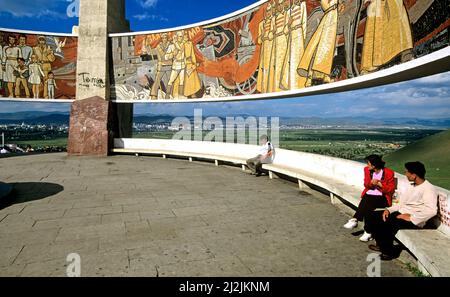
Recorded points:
(339, 176)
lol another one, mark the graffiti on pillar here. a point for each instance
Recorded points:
(37, 66)
(278, 46)
(86, 80)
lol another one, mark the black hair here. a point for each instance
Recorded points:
(416, 168)
(376, 161)
(21, 59)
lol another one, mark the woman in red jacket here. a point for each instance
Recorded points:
(379, 186)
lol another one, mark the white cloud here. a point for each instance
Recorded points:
(436, 79)
(148, 3)
(34, 8)
(153, 17)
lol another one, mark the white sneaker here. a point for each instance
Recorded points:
(352, 223)
(366, 237)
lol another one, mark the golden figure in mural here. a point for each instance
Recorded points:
(265, 39)
(280, 45)
(192, 83)
(175, 52)
(317, 59)
(387, 34)
(163, 65)
(296, 45)
(45, 57)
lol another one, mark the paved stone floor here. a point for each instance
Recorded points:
(147, 216)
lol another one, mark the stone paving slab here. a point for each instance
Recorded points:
(145, 216)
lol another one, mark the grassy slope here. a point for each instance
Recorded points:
(433, 151)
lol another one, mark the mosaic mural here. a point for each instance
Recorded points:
(37, 66)
(278, 46)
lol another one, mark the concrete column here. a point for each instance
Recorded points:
(97, 19)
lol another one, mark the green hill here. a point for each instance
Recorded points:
(433, 151)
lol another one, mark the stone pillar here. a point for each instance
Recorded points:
(97, 19)
(90, 133)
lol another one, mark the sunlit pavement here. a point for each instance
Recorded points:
(148, 216)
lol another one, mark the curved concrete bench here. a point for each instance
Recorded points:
(341, 178)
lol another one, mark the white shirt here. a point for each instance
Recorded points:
(418, 201)
(264, 150)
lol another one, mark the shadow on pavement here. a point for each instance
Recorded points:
(30, 191)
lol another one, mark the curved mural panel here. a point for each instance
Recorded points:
(37, 66)
(280, 45)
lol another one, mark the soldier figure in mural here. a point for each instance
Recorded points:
(27, 51)
(175, 52)
(317, 60)
(45, 57)
(349, 17)
(192, 83)
(10, 55)
(387, 34)
(164, 65)
(265, 39)
(280, 45)
(296, 44)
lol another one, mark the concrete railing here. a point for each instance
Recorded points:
(341, 178)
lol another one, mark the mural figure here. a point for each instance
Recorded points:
(51, 85)
(317, 61)
(22, 74)
(27, 51)
(175, 52)
(387, 34)
(164, 65)
(11, 53)
(192, 83)
(36, 73)
(45, 56)
(265, 39)
(349, 17)
(280, 46)
(296, 45)
(1, 64)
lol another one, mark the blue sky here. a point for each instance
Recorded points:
(423, 98)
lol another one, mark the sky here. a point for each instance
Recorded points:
(427, 97)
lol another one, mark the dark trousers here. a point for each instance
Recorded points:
(255, 164)
(384, 232)
(368, 204)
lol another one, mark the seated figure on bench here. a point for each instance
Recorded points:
(379, 186)
(265, 156)
(417, 205)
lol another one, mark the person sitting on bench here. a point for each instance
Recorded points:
(379, 186)
(265, 156)
(417, 205)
